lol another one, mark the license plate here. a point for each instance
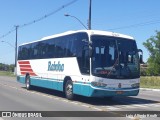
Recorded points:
(119, 92)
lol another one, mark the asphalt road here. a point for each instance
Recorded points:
(14, 97)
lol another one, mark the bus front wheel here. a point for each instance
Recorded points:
(69, 90)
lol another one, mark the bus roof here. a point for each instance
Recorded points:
(89, 32)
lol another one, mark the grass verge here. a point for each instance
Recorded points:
(6, 73)
(150, 82)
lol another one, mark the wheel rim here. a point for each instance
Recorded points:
(27, 83)
(69, 89)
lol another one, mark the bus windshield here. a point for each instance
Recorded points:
(114, 58)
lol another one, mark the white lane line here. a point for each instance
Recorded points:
(112, 108)
(54, 97)
(116, 107)
(85, 105)
(99, 109)
(153, 105)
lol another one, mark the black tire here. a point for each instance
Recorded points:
(28, 85)
(69, 90)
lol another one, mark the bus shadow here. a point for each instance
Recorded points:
(115, 101)
(47, 91)
(97, 101)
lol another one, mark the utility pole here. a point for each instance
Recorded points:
(16, 50)
(89, 20)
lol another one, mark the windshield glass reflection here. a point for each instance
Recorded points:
(115, 58)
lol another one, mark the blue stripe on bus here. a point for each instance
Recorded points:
(46, 83)
(21, 79)
(78, 88)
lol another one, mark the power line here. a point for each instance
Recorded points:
(39, 19)
(49, 14)
(137, 25)
(9, 32)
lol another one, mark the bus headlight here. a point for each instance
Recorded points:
(98, 84)
(136, 85)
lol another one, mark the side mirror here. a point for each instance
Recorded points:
(140, 56)
(139, 50)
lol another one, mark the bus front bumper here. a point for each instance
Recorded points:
(109, 92)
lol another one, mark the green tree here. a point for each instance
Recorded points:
(11, 67)
(1, 66)
(153, 46)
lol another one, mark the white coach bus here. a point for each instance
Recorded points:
(90, 63)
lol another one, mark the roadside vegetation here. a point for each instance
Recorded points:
(150, 71)
(150, 82)
(153, 47)
(7, 73)
(7, 70)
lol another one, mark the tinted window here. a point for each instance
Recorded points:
(74, 45)
(114, 57)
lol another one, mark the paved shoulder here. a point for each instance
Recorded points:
(149, 89)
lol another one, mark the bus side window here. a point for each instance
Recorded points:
(35, 51)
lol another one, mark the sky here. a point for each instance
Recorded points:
(137, 18)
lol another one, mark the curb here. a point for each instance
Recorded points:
(149, 89)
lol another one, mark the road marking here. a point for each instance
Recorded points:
(74, 103)
(112, 108)
(54, 97)
(86, 105)
(153, 105)
(103, 108)
(99, 109)
(117, 107)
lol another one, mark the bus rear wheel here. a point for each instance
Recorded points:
(28, 85)
(69, 90)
